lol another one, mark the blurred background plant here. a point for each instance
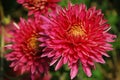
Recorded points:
(11, 11)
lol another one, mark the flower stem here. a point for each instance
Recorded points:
(2, 52)
(2, 41)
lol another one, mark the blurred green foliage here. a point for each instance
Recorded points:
(109, 71)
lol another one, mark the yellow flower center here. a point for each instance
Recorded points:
(77, 30)
(39, 3)
(32, 42)
(32, 46)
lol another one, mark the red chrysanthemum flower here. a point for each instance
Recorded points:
(27, 50)
(39, 6)
(77, 36)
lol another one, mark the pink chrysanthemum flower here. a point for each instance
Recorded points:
(39, 6)
(77, 36)
(27, 50)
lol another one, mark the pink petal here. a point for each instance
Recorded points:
(74, 71)
(59, 64)
(87, 71)
(53, 62)
(33, 69)
(41, 68)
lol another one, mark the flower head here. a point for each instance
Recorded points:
(39, 6)
(27, 50)
(77, 36)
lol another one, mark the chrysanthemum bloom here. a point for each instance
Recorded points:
(39, 6)
(77, 36)
(27, 50)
